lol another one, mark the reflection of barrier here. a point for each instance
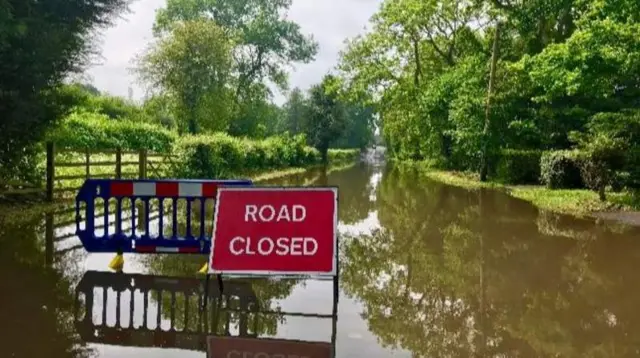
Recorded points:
(195, 331)
(139, 193)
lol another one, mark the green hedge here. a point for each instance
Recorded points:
(203, 156)
(630, 177)
(87, 130)
(221, 156)
(518, 166)
(560, 169)
(343, 155)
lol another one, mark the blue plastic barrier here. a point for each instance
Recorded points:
(99, 193)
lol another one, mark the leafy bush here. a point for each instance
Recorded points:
(223, 156)
(343, 155)
(88, 130)
(632, 168)
(560, 169)
(600, 159)
(519, 166)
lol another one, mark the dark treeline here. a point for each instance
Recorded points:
(41, 42)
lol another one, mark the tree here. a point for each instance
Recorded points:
(425, 67)
(266, 42)
(296, 109)
(257, 118)
(33, 65)
(326, 116)
(160, 109)
(193, 65)
(359, 127)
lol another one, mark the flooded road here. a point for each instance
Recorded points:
(427, 270)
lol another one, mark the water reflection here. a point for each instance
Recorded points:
(453, 273)
(139, 310)
(35, 300)
(440, 272)
(353, 183)
(355, 204)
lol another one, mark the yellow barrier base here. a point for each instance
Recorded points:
(117, 263)
(204, 269)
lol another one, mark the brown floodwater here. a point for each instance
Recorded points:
(426, 270)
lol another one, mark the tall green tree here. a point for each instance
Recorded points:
(266, 43)
(326, 115)
(41, 43)
(257, 118)
(296, 109)
(193, 65)
(359, 127)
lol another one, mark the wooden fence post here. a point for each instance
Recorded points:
(119, 163)
(142, 174)
(142, 164)
(50, 170)
(87, 162)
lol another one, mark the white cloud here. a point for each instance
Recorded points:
(329, 21)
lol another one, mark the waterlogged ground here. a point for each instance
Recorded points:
(427, 270)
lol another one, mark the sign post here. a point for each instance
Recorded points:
(287, 231)
(275, 231)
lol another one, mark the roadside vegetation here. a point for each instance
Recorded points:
(509, 93)
(577, 202)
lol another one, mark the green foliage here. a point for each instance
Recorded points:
(265, 40)
(41, 43)
(562, 67)
(608, 148)
(257, 118)
(519, 166)
(560, 169)
(193, 65)
(343, 155)
(354, 130)
(359, 127)
(264, 44)
(326, 116)
(296, 109)
(600, 158)
(88, 130)
(222, 156)
(160, 109)
(87, 97)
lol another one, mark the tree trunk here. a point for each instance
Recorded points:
(325, 155)
(487, 115)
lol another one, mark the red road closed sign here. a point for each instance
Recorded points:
(268, 230)
(238, 347)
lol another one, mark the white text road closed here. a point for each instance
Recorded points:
(282, 246)
(269, 213)
(275, 230)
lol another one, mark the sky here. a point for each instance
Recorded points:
(329, 21)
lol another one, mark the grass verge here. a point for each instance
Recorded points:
(576, 202)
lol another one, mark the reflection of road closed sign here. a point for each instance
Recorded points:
(236, 347)
(275, 231)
